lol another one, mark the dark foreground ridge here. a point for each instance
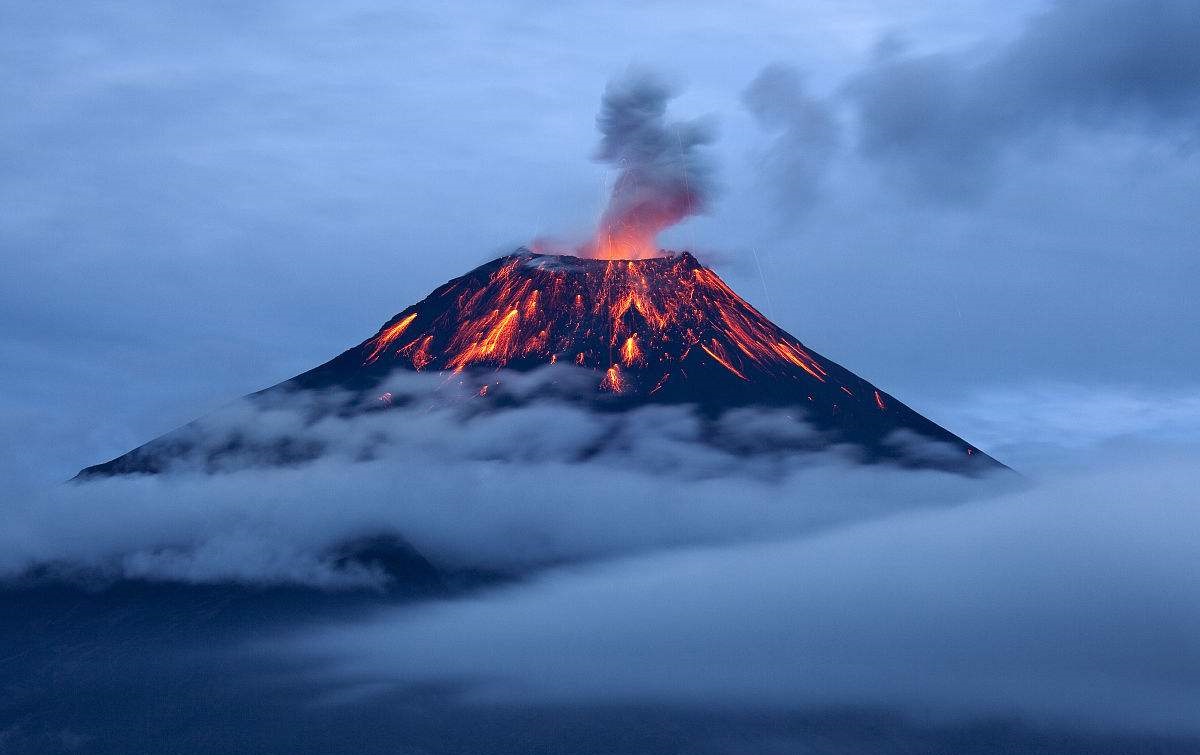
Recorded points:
(629, 333)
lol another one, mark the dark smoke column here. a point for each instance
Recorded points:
(663, 176)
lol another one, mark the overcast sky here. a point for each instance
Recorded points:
(976, 204)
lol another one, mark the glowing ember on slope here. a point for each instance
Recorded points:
(612, 379)
(630, 353)
(717, 352)
(390, 334)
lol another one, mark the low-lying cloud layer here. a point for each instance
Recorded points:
(499, 491)
(1076, 603)
(659, 565)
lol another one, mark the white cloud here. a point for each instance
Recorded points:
(510, 490)
(1076, 603)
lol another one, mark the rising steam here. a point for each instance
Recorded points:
(663, 178)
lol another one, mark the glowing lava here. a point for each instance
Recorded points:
(389, 334)
(635, 322)
(627, 238)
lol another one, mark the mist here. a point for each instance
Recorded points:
(1074, 603)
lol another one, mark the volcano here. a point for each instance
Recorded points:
(658, 330)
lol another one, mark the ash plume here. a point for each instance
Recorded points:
(664, 175)
(943, 122)
(805, 136)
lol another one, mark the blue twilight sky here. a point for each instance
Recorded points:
(988, 208)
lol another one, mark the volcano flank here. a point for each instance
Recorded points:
(659, 330)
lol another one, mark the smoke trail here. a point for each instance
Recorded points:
(664, 177)
(806, 135)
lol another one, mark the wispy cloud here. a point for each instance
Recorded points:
(1047, 424)
(945, 120)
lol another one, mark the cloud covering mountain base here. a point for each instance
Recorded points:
(504, 491)
(661, 559)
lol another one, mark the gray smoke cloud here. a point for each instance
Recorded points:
(943, 122)
(663, 175)
(805, 136)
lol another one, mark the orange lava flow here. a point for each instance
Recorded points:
(421, 357)
(389, 335)
(717, 352)
(635, 322)
(495, 342)
(630, 353)
(612, 379)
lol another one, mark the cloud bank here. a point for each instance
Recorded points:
(504, 491)
(1075, 603)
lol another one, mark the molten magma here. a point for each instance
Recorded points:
(639, 324)
(629, 229)
(389, 334)
(622, 244)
